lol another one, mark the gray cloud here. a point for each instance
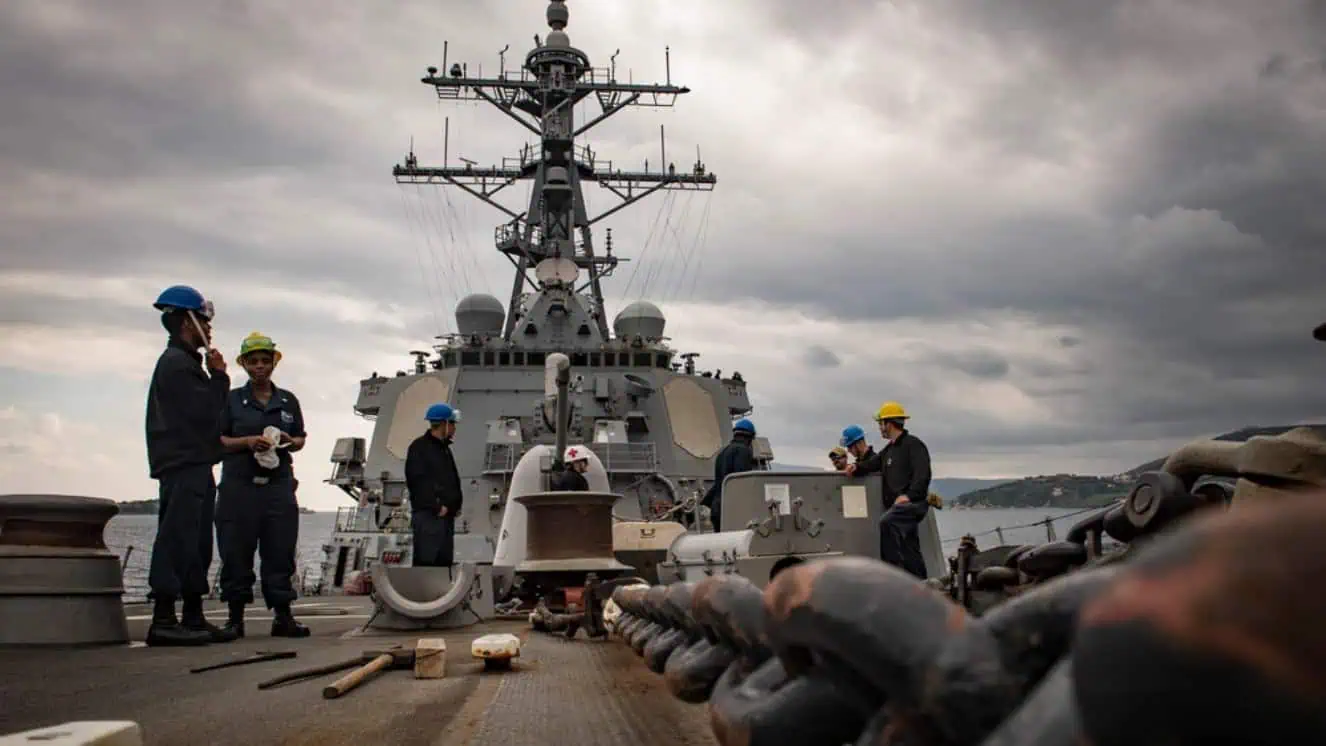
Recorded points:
(819, 356)
(1112, 210)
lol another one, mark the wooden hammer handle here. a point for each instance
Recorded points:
(355, 677)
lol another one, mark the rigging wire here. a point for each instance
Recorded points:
(704, 238)
(639, 260)
(696, 246)
(679, 249)
(433, 305)
(662, 238)
(439, 274)
(430, 209)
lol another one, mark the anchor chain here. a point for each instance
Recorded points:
(1206, 634)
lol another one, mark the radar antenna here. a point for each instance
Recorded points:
(542, 98)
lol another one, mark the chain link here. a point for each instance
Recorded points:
(1141, 652)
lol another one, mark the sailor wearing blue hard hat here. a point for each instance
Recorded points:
(183, 444)
(854, 440)
(436, 496)
(736, 457)
(261, 426)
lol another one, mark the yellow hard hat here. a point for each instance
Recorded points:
(890, 410)
(257, 342)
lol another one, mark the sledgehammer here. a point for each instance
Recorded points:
(388, 660)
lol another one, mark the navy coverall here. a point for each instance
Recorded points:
(434, 482)
(736, 457)
(183, 444)
(569, 480)
(905, 465)
(257, 508)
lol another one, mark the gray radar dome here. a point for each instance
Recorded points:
(640, 319)
(480, 314)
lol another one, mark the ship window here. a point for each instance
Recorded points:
(595, 360)
(518, 358)
(662, 360)
(642, 360)
(503, 358)
(489, 358)
(579, 359)
(536, 358)
(449, 360)
(584, 330)
(469, 357)
(531, 330)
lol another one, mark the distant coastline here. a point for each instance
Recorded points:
(1085, 491)
(149, 507)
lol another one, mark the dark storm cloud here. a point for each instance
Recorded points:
(1199, 273)
(249, 140)
(819, 356)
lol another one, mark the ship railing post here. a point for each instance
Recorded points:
(1049, 529)
(999, 532)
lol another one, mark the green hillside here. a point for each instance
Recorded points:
(1052, 491)
(1079, 491)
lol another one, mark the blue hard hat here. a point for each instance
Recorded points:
(744, 426)
(442, 413)
(851, 434)
(184, 298)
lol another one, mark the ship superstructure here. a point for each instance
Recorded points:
(654, 420)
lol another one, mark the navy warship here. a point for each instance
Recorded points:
(650, 417)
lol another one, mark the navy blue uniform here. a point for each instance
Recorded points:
(434, 482)
(183, 444)
(736, 457)
(257, 509)
(569, 480)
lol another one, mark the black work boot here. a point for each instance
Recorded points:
(236, 621)
(166, 630)
(193, 619)
(284, 624)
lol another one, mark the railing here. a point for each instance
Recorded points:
(621, 458)
(351, 519)
(1048, 522)
(500, 458)
(617, 458)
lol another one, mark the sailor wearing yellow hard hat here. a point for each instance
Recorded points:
(261, 426)
(904, 463)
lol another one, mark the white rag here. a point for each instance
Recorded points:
(269, 459)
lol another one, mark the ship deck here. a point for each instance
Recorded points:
(559, 691)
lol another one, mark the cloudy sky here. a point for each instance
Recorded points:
(1066, 235)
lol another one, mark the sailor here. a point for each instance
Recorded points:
(183, 444)
(838, 457)
(854, 440)
(261, 426)
(572, 479)
(435, 490)
(736, 457)
(905, 464)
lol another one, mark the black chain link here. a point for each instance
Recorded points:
(1201, 636)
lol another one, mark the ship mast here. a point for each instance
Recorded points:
(553, 236)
